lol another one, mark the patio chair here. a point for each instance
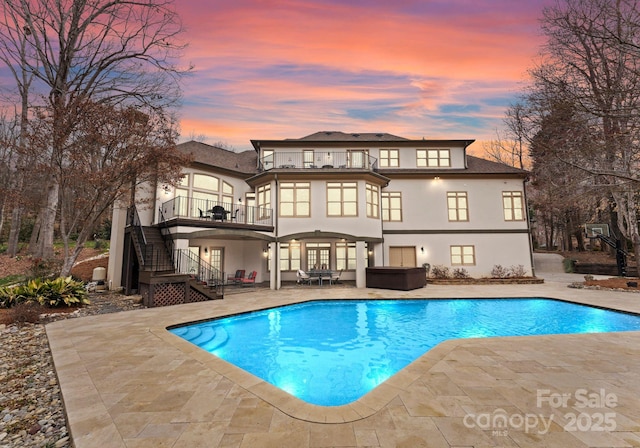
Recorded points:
(303, 277)
(335, 276)
(251, 280)
(237, 278)
(203, 215)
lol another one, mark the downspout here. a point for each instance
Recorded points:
(528, 218)
(276, 252)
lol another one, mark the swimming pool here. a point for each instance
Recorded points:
(331, 353)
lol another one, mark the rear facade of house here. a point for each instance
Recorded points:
(330, 200)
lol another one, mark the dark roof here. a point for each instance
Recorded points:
(242, 162)
(478, 165)
(338, 136)
(475, 165)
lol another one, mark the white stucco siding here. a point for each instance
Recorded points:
(424, 203)
(359, 225)
(490, 249)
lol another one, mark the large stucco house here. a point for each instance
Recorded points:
(334, 199)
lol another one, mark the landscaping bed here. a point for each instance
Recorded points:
(485, 281)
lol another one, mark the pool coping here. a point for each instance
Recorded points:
(91, 423)
(367, 405)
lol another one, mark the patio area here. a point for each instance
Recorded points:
(127, 382)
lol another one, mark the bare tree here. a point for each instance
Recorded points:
(14, 54)
(87, 52)
(590, 69)
(112, 145)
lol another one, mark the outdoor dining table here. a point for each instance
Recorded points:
(321, 274)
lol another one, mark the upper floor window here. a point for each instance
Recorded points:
(206, 182)
(264, 199)
(513, 206)
(295, 199)
(433, 157)
(357, 158)
(391, 206)
(267, 159)
(389, 158)
(458, 209)
(307, 158)
(463, 255)
(373, 205)
(342, 199)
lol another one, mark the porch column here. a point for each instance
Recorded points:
(361, 264)
(116, 247)
(274, 266)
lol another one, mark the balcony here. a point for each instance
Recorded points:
(216, 214)
(319, 160)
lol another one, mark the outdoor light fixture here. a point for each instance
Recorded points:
(265, 252)
(206, 250)
(436, 178)
(422, 249)
(167, 189)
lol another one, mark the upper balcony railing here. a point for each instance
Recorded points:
(216, 211)
(355, 160)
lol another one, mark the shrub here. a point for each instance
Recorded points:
(439, 271)
(517, 271)
(26, 312)
(569, 265)
(460, 273)
(51, 293)
(499, 272)
(9, 296)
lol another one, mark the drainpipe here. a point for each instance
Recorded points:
(528, 218)
(276, 249)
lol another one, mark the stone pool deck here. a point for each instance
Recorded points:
(127, 382)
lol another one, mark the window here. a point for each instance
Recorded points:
(389, 158)
(433, 157)
(267, 159)
(204, 193)
(391, 206)
(457, 206)
(289, 256)
(463, 255)
(307, 158)
(373, 205)
(357, 158)
(295, 199)
(264, 200)
(205, 182)
(342, 199)
(318, 255)
(513, 206)
(345, 256)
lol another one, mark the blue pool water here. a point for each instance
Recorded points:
(331, 353)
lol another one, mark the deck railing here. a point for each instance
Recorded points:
(216, 211)
(354, 160)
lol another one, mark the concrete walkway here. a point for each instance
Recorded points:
(127, 382)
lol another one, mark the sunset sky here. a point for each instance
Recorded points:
(271, 69)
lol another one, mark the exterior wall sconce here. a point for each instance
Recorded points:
(422, 249)
(206, 250)
(166, 189)
(265, 253)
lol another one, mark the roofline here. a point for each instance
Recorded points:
(411, 143)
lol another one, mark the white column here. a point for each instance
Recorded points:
(116, 247)
(361, 264)
(275, 277)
